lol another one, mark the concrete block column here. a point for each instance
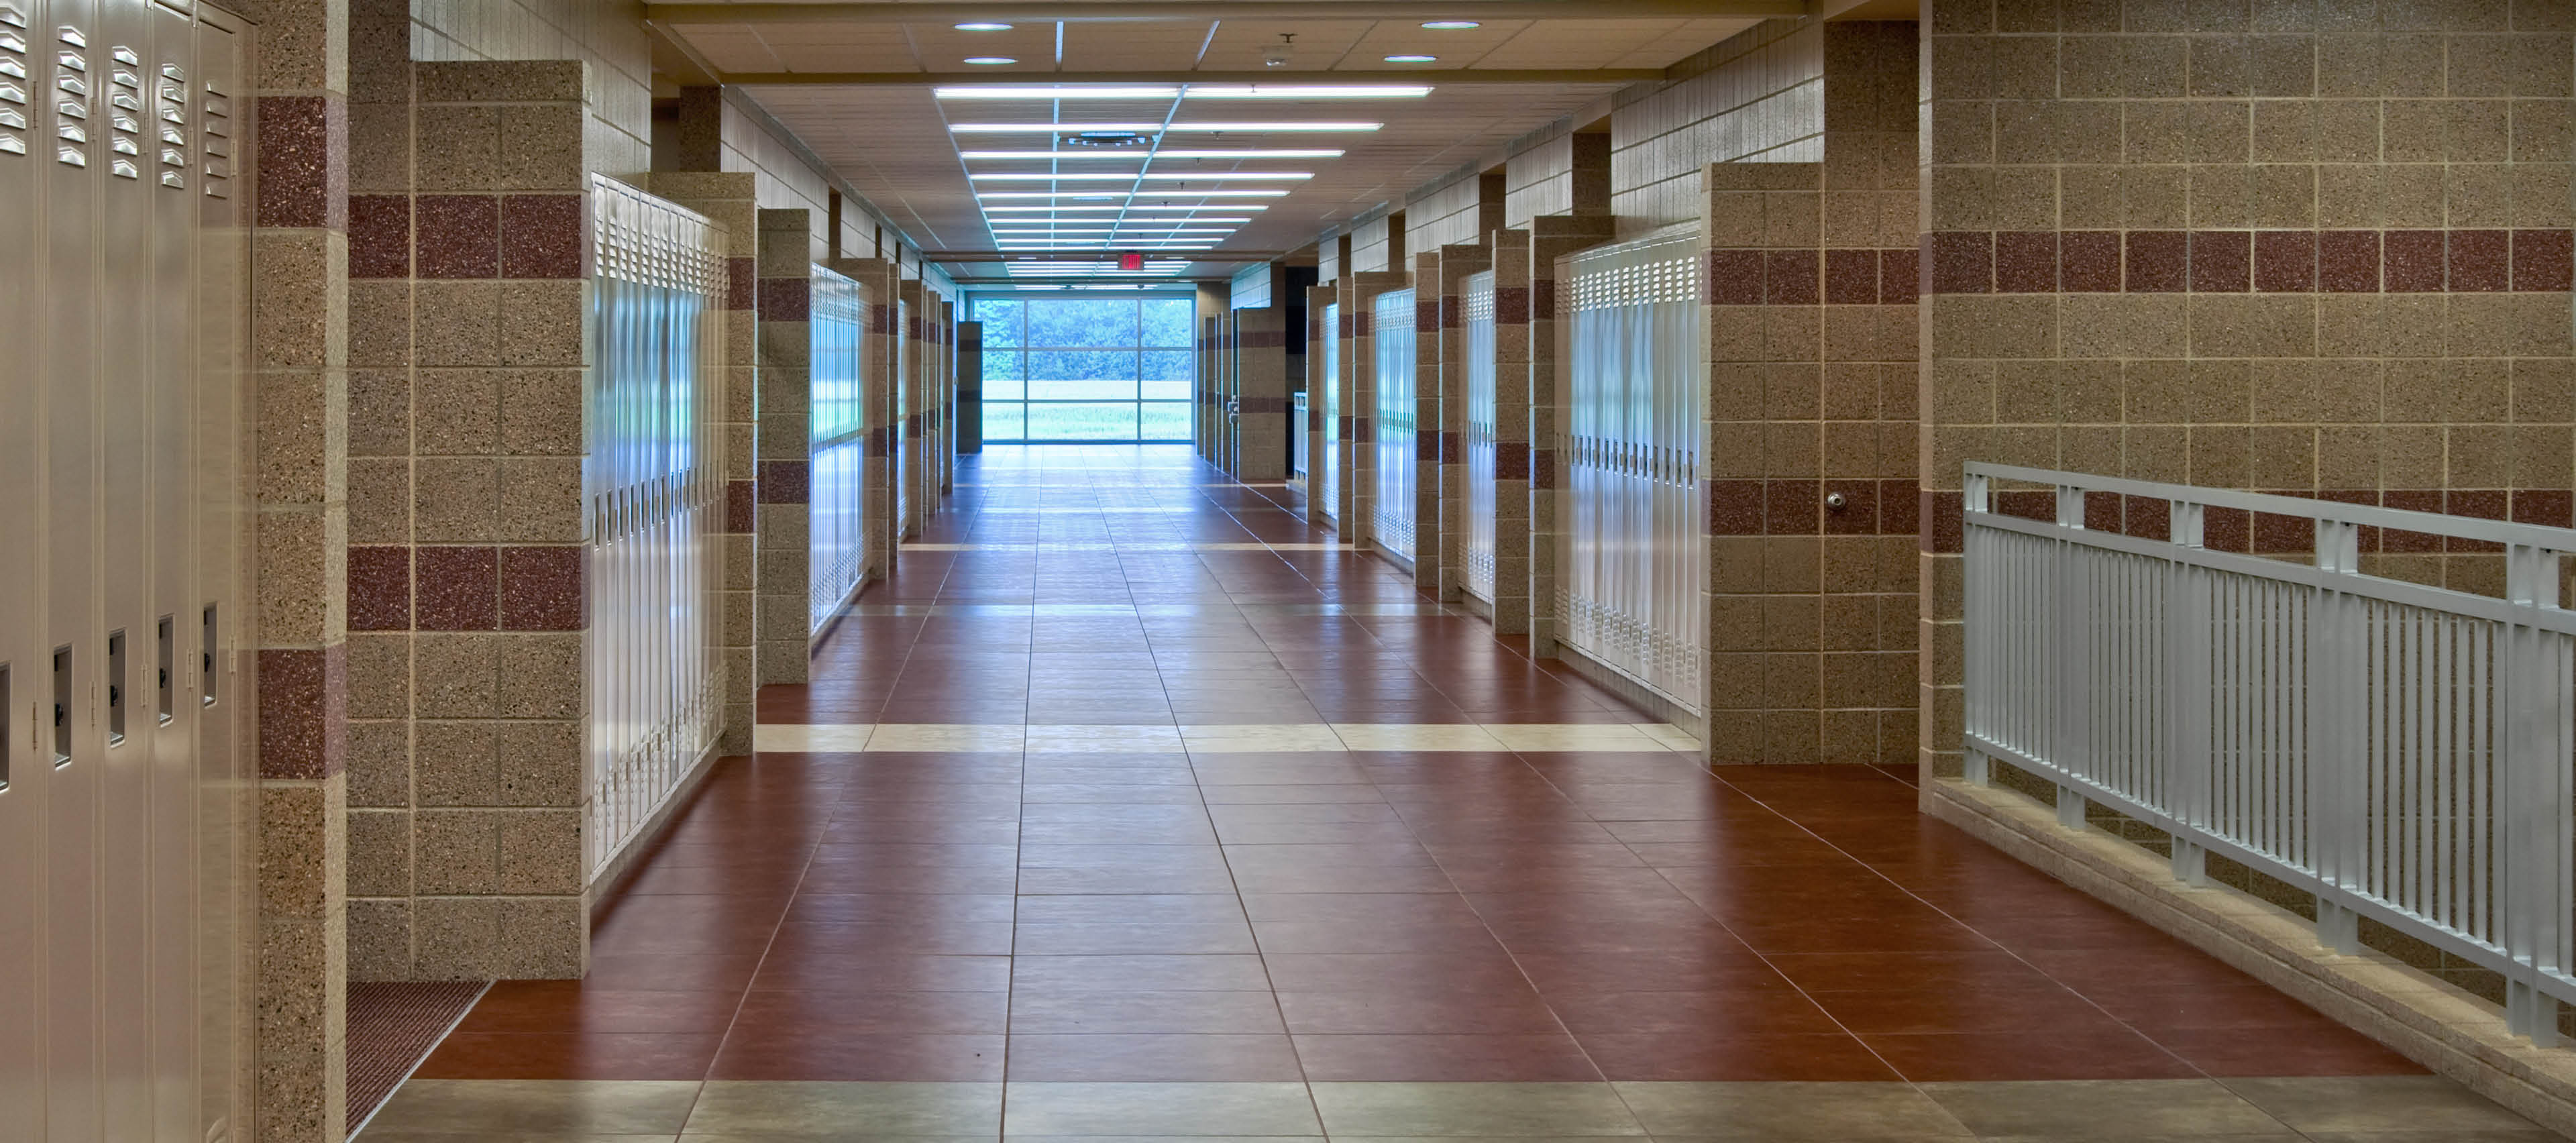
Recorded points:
(786, 345)
(1512, 534)
(1261, 371)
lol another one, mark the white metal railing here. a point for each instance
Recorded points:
(1328, 457)
(1391, 324)
(2401, 751)
(837, 500)
(654, 484)
(1477, 318)
(1630, 578)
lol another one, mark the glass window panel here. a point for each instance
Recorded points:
(1001, 375)
(1165, 391)
(1168, 364)
(1165, 420)
(1083, 365)
(1083, 390)
(1170, 321)
(1002, 421)
(1106, 421)
(1001, 321)
(1082, 322)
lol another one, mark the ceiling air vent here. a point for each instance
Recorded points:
(1109, 139)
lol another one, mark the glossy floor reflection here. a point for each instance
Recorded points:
(1133, 807)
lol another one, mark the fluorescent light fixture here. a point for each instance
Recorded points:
(1285, 91)
(1007, 27)
(1245, 154)
(1434, 25)
(988, 61)
(1094, 196)
(981, 195)
(1246, 126)
(1108, 176)
(1173, 210)
(1192, 91)
(1391, 59)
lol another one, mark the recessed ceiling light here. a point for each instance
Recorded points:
(1006, 60)
(1289, 91)
(1412, 59)
(1448, 25)
(1160, 192)
(1053, 91)
(1110, 176)
(1193, 91)
(1250, 154)
(1007, 27)
(1248, 127)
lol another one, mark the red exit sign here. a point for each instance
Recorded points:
(1131, 261)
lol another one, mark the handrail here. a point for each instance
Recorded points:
(2405, 753)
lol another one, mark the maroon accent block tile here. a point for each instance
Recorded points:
(1427, 446)
(2027, 504)
(541, 236)
(2147, 517)
(1792, 507)
(2348, 261)
(458, 588)
(879, 444)
(742, 512)
(2221, 261)
(2554, 507)
(2481, 261)
(1360, 322)
(2543, 260)
(303, 161)
(1900, 509)
(1859, 514)
(2102, 512)
(1426, 314)
(1511, 460)
(1963, 262)
(303, 712)
(786, 299)
(2088, 261)
(2402, 541)
(1734, 507)
(2158, 261)
(458, 236)
(742, 290)
(1790, 278)
(379, 588)
(2413, 260)
(2227, 529)
(1851, 277)
(2276, 534)
(786, 481)
(1542, 298)
(380, 236)
(1734, 278)
(2026, 262)
(1944, 521)
(2479, 503)
(1900, 277)
(1542, 468)
(1511, 305)
(2285, 261)
(1448, 315)
(543, 588)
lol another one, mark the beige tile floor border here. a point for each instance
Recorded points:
(1221, 738)
(2404, 1109)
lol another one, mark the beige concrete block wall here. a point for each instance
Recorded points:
(785, 268)
(1512, 531)
(1261, 365)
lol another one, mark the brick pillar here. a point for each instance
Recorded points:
(1261, 364)
(1551, 237)
(300, 317)
(1511, 431)
(786, 261)
(467, 564)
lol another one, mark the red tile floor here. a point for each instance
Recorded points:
(1311, 914)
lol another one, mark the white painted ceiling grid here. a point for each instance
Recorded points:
(892, 142)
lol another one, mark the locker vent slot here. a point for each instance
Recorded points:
(165, 681)
(8, 734)
(116, 688)
(62, 706)
(206, 660)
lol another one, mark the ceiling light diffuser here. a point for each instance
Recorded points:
(1412, 59)
(1451, 25)
(1007, 27)
(1107, 176)
(1245, 126)
(1285, 91)
(1246, 154)
(988, 60)
(1054, 92)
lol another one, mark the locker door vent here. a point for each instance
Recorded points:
(8, 733)
(206, 660)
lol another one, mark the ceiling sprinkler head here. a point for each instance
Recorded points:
(1277, 54)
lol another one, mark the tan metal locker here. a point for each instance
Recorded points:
(123, 514)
